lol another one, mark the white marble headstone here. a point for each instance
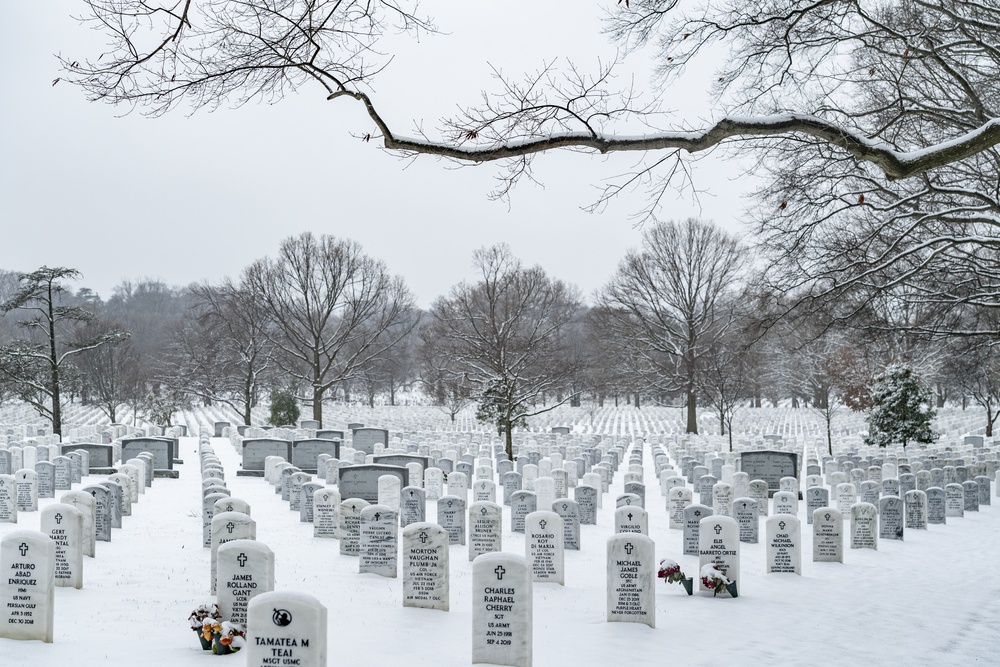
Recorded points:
(719, 543)
(64, 525)
(294, 624)
(379, 531)
(784, 544)
(502, 610)
(245, 569)
(27, 585)
(543, 546)
(828, 535)
(631, 579)
(425, 566)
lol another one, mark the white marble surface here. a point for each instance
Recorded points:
(425, 566)
(289, 624)
(502, 610)
(631, 578)
(783, 544)
(543, 546)
(27, 560)
(245, 569)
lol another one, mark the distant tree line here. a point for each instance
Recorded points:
(690, 318)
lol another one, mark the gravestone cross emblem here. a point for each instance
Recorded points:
(500, 572)
(423, 537)
(242, 559)
(629, 548)
(23, 549)
(230, 526)
(718, 528)
(58, 519)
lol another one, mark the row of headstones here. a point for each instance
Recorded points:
(322, 505)
(21, 491)
(721, 496)
(326, 456)
(240, 567)
(35, 562)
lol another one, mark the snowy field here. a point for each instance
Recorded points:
(928, 600)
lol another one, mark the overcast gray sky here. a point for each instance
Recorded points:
(190, 198)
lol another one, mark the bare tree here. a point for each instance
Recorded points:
(829, 73)
(725, 378)
(666, 302)
(110, 373)
(503, 334)
(440, 375)
(975, 366)
(333, 308)
(35, 363)
(223, 353)
(838, 230)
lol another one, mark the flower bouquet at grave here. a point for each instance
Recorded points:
(204, 619)
(716, 580)
(230, 638)
(670, 572)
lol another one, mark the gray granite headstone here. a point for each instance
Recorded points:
(361, 481)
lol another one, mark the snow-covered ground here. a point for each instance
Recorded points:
(929, 600)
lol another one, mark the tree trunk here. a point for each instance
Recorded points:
(989, 421)
(318, 405)
(692, 412)
(54, 361)
(509, 439)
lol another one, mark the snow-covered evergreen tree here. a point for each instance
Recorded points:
(901, 411)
